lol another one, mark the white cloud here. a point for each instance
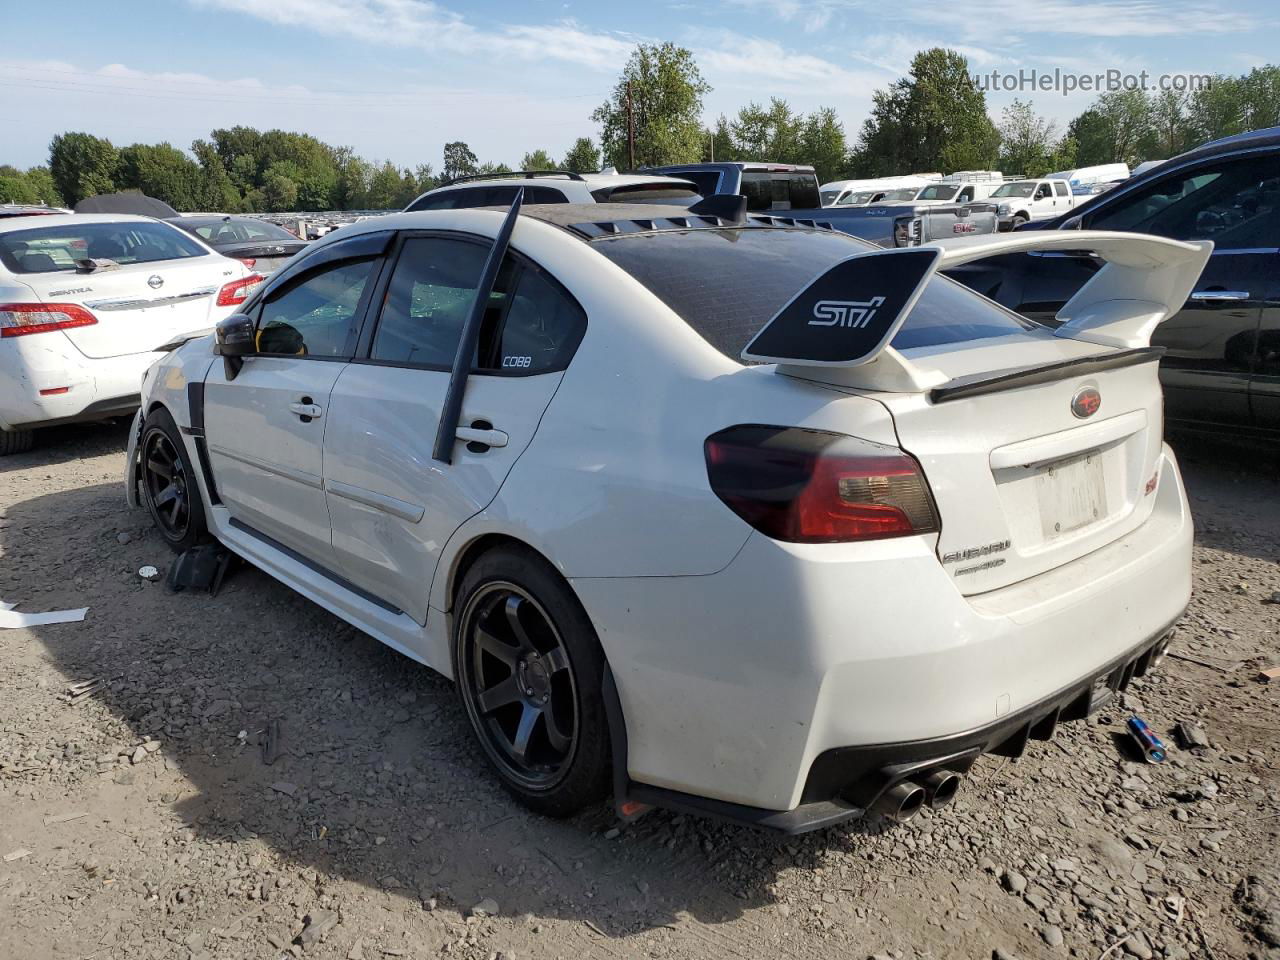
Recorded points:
(1010, 18)
(428, 26)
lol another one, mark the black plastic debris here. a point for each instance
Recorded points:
(200, 568)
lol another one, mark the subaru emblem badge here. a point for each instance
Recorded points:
(1086, 402)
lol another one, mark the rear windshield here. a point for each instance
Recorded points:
(54, 249)
(941, 191)
(727, 284)
(239, 231)
(780, 191)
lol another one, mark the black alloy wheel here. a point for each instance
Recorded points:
(518, 684)
(169, 483)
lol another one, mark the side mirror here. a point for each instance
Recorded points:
(234, 336)
(233, 340)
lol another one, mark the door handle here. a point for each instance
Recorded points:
(489, 437)
(306, 410)
(1209, 296)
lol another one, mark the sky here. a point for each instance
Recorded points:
(397, 79)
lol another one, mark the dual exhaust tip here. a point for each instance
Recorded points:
(904, 800)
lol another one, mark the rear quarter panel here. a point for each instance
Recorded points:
(614, 484)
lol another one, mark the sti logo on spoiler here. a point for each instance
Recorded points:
(846, 316)
(844, 313)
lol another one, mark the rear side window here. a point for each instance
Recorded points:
(54, 249)
(1060, 188)
(727, 284)
(530, 326)
(780, 190)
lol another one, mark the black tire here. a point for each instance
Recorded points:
(1018, 220)
(170, 483)
(16, 441)
(523, 647)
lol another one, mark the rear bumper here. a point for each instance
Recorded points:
(844, 782)
(94, 389)
(779, 682)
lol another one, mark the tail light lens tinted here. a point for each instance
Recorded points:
(238, 291)
(21, 319)
(809, 486)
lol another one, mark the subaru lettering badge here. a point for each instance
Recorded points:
(1086, 402)
(155, 281)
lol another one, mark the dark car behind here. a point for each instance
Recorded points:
(262, 246)
(1221, 368)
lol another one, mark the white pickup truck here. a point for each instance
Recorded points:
(1022, 200)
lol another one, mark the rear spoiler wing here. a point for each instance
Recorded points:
(847, 317)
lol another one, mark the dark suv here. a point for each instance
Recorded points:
(1222, 365)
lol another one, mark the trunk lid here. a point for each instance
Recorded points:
(1022, 483)
(140, 305)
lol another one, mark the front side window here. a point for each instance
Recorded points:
(1236, 204)
(530, 325)
(315, 316)
(55, 249)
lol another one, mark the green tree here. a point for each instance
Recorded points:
(537, 160)
(386, 186)
(1262, 97)
(279, 192)
(459, 161)
(489, 168)
(823, 144)
(583, 157)
(1091, 132)
(82, 166)
(932, 119)
(767, 133)
(719, 142)
(1028, 142)
(1169, 125)
(666, 106)
(15, 189)
(351, 189)
(1218, 109)
(163, 172)
(217, 192)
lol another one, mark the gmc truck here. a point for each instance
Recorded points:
(790, 190)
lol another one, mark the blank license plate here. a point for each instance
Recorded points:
(1072, 494)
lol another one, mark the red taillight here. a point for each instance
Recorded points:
(238, 291)
(809, 486)
(249, 262)
(21, 319)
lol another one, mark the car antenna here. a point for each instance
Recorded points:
(447, 431)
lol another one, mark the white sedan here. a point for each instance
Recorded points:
(727, 513)
(85, 301)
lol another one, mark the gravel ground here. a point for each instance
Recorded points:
(141, 820)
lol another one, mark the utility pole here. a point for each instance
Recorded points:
(631, 132)
(712, 135)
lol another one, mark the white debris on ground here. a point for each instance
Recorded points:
(138, 818)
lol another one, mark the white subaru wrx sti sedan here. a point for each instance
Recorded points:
(727, 513)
